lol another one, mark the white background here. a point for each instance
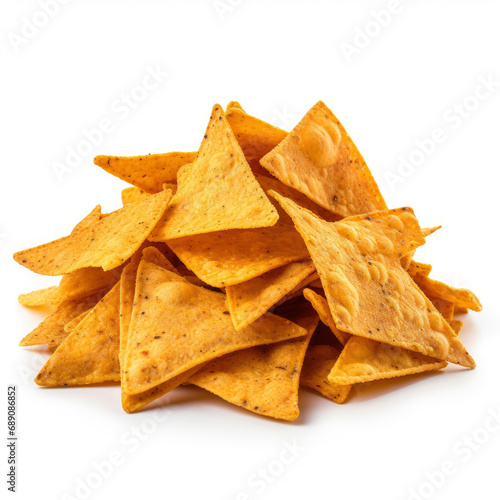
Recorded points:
(277, 59)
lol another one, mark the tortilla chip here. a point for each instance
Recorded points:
(234, 104)
(251, 299)
(255, 137)
(262, 379)
(444, 307)
(51, 330)
(216, 192)
(365, 360)
(71, 325)
(456, 325)
(132, 195)
(318, 363)
(319, 159)
(298, 291)
(38, 297)
(460, 297)
(231, 257)
(177, 326)
(89, 355)
(148, 172)
(369, 293)
(320, 304)
(106, 243)
(316, 284)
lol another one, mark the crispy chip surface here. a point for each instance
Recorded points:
(319, 159)
(107, 242)
(89, 354)
(318, 363)
(148, 172)
(231, 257)
(177, 326)
(262, 379)
(364, 360)
(251, 299)
(218, 191)
(51, 330)
(368, 291)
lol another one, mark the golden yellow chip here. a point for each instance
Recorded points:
(71, 325)
(320, 304)
(106, 243)
(231, 257)
(318, 363)
(51, 330)
(218, 191)
(148, 172)
(89, 355)
(365, 360)
(262, 379)
(255, 137)
(234, 104)
(460, 297)
(369, 293)
(39, 297)
(251, 299)
(133, 194)
(177, 326)
(319, 159)
(444, 307)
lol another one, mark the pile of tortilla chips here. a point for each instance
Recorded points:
(262, 262)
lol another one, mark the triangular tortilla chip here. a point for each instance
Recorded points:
(365, 360)
(319, 159)
(39, 297)
(106, 243)
(177, 326)
(460, 297)
(89, 355)
(234, 104)
(255, 137)
(320, 304)
(231, 257)
(51, 330)
(318, 363)
(148, 172)
(127, 293)
(71, 325)
(133, 194)
(251, 299)
(263, 379)
(218, 191)
(369, 293)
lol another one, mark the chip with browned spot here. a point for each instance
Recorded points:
(218, 191)
(262, 379)
(89, 355)
(251, 299)
(319, 159)
(368, 291)
(148, 172)
(106, 243)
(177, 326)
